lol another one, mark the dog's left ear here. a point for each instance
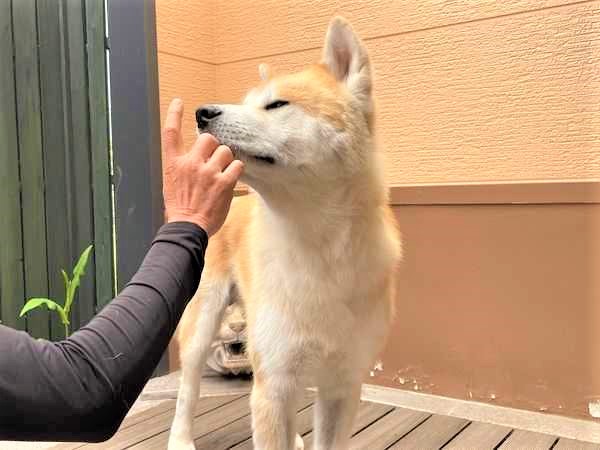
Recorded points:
(264, 71)
(347, 58)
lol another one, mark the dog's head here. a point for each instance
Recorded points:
(296, 127)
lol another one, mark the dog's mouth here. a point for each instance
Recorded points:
(234, 349)
(261, 158)
(265, 159)
(230, 357)
(244, 155)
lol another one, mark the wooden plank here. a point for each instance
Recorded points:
(210, 431)
(433, 433)
(223, 438)
(138, 433)
(304, 423)
(388, 429)
(52, 91)
(478, 435)
(214, 386)
(237, 431)
(99, 146)
(12, 292)
(520, 439)
(570, 444)
(368, 413)
(80, 181)
(167, 405)
(31, 161)
(128, 422)
(203, 423)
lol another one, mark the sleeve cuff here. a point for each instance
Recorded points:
(179, 228)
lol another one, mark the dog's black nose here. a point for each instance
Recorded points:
(205, 114)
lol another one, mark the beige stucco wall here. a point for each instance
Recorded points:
(186, 55)
(466, 91)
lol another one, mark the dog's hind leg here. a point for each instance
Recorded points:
(337, 401)
(213, 297)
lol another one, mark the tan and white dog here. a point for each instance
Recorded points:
(312, 255)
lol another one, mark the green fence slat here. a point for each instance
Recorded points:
(11, 245)
(53, 100)
(55, 174)
(101, 177)
(80, 156)
(31, 160)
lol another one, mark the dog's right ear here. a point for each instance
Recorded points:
(264, 71)
(347, 58)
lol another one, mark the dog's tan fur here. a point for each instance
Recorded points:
(312, 255)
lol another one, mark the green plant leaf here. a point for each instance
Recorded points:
(78, 272)
(67, 285)
(65, 277)
(79, 269)
(34, 303)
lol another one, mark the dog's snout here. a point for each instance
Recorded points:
(237, 327)
(205, 114)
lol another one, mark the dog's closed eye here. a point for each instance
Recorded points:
(276, 104)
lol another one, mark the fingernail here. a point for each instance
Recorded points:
(176, 103)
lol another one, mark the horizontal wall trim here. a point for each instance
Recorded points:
(565, 427)
(186, 57)
(549, 192)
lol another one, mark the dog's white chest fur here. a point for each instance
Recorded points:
(312, 297)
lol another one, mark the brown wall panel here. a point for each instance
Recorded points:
(499, 303)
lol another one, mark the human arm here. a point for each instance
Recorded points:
(80, 389)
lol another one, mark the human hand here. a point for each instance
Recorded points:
(198, 184)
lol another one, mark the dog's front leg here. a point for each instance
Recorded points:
(336, 406)
(273, 402)
(213, 301)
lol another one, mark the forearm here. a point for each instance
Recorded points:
(80, 389)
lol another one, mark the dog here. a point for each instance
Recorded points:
(228, 355)
(312, 254)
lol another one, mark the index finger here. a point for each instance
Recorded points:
(204, 147)
(171, 137)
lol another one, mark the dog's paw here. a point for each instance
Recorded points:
(299, 443)
(180, 444)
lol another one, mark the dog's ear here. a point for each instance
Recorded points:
(264, 71)
(347, 58)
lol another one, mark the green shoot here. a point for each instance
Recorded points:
(71, 285)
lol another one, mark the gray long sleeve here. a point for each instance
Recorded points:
(80, 389)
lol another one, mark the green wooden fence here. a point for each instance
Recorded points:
(55, 183)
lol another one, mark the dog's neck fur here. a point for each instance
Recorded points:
(326, 213)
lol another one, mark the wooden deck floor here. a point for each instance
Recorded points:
(224, 423)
